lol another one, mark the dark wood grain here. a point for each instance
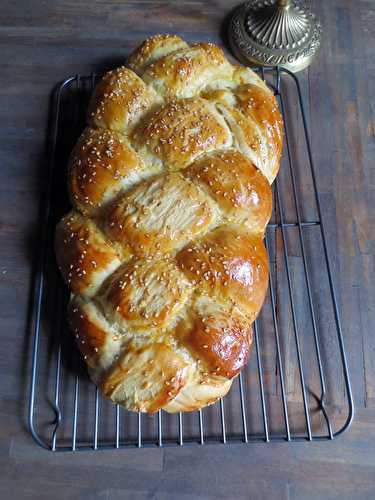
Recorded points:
(41, 43)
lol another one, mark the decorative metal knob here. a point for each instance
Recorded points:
(275, 33)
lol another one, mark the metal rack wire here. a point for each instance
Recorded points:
(297, 385)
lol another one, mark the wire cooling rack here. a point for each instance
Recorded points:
(296, 386)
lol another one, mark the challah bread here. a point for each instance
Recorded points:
(163, 250)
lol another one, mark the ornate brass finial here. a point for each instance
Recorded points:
(275, 33)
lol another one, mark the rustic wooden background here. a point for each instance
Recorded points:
(41, 42)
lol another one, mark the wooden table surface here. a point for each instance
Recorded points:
(41, 42)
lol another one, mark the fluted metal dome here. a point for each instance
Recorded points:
(278, 33)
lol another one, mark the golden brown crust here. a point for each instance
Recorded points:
(225, 348)
(146, 376)
(144, 296)
(230, 264)
(219, 334)
(181, 130)
(247, 137)
(200, 392)
(84, 257)
(185, 72)
(119, 100)
(256, 102)
(152, 49)
(101, 164)
(241, 191)
(95, 337)
(90, 337)
(254, 119)
(163, 252)
(160, 215)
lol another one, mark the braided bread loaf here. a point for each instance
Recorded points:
(163, 250)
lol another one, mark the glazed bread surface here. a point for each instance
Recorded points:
(163, 250)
